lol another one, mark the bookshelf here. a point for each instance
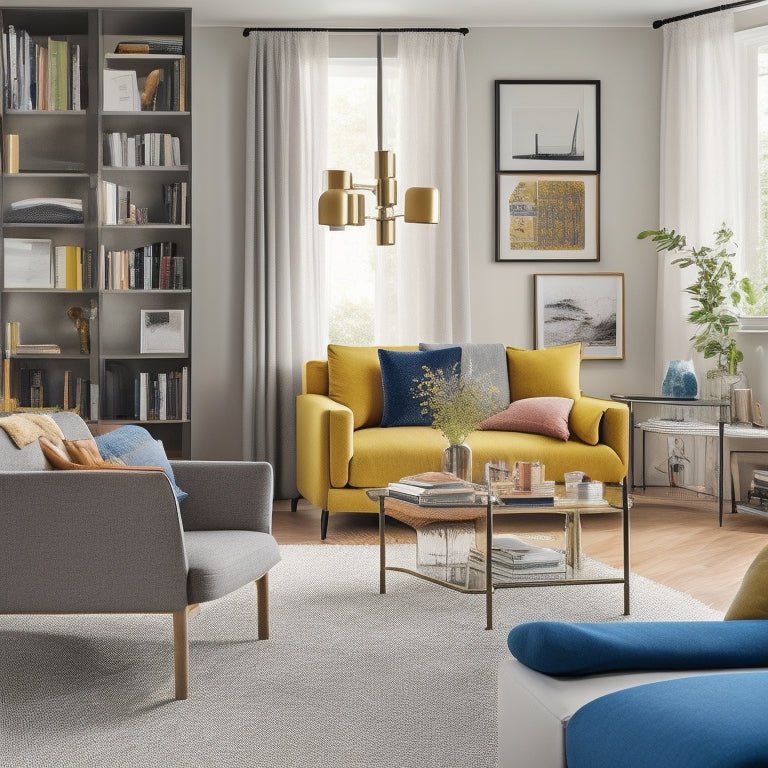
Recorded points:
(103, 141)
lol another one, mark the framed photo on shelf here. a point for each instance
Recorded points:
(27, 263)
(583, 307)
(548, 125)
(547, 217)
(162, 332)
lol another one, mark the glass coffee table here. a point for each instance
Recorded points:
(452, 543)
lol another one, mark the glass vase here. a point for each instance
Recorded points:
(458, 460)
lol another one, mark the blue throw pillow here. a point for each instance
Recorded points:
(559, 648)
(400, 371)
(134, 446)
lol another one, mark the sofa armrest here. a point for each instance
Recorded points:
(91, 541)
(324, 430)
(225, 495)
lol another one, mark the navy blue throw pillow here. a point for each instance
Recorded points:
(400, 372)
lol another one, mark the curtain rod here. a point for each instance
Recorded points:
(693, 14)
(248, 30)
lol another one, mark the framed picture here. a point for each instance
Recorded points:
(548, 125)
(28, 263)
(547, 217)
(584, 307)
(162, 331)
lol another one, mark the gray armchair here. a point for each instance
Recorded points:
(109, 541)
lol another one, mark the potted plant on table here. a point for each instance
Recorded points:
(717, 293)
(456, 406)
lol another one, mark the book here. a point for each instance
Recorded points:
(432, 495)
(434, 480)
(121, 91)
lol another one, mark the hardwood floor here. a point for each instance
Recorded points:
(674, 541)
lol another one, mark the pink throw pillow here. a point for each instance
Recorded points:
(540, 415)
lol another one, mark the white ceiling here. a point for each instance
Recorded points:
(417, 13)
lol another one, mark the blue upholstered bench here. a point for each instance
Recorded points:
(704, 721)
(609, 675)
(637, 694)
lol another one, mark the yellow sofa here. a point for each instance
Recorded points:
(342, 451)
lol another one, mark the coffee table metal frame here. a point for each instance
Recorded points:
(572, 509)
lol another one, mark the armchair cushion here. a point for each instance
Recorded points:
(560, 648)
(135, 446)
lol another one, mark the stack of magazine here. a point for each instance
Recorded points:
(434, 488)
(514, 558)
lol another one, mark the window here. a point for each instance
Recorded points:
(752, 50)
(352, 254)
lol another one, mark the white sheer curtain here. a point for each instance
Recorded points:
(699, 160)
(423, 282)
(284, 280)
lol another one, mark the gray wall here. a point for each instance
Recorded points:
(628, 64)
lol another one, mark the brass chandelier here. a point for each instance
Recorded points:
(341, 205)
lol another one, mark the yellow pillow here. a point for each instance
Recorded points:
(548, 372)
(354, 380)
(751, 601)
(585, 419)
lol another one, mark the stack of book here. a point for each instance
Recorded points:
(514, 558)
(13, 345)
(45, 73)
(758, 491)
(434, 488)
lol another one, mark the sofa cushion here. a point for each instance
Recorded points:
(400, 372)
(133, 445)
(751, 600)
(585, 419)
(482, 364)
(25, 428)
(548, 372)
(539, 415)
(354, 380)
(560, 648)
(699, 721)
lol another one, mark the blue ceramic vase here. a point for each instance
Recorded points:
(680, 380)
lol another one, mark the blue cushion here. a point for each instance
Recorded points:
(400, 371)
(703, 721)
(134, 446)
(558, 648)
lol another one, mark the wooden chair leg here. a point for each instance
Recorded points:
(262, 606)
(181, 653)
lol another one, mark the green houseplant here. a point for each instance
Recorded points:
(717, 293)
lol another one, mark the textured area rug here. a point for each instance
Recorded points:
(348, 678)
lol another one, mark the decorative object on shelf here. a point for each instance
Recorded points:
(11, 153)
(717, 295)
(339, 206)
(456, 406)
(583, 308)
(680, 380)
(162, 331)
(741, 405)
(81, 318)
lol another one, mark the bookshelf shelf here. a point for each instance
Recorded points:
(61, 154)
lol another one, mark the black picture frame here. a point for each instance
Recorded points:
(548, 126)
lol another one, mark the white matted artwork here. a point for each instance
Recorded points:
(28, 263)
(162, 331)
(583, 307)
